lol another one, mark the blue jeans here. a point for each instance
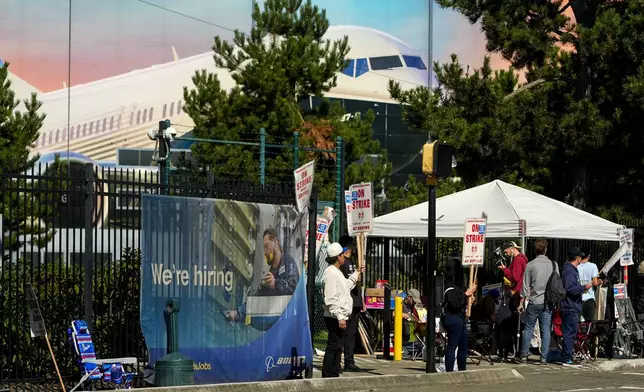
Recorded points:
(569, 324)
(532, 314)
(456, 338)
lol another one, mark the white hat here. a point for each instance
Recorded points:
(334, 250)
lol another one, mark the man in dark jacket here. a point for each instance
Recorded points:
(571, 306)
(350, 332)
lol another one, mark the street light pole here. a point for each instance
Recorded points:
(430, 278)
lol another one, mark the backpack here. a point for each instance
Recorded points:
(555, 291)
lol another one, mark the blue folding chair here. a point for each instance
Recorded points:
(108, 373)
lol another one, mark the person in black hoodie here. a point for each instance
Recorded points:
(453, 317)
(349, 339)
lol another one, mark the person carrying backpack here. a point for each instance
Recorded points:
(535, 280)
(571, 305)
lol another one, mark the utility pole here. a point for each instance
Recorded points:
(437, 162)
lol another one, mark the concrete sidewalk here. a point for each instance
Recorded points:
(383, 375)
(364, 383)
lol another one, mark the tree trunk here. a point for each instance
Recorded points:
(579, 194)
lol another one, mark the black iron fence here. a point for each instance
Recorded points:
(73, 232)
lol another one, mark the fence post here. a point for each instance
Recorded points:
(210, 183)
(262, 157)
(339, 186)
(296, 150)
(88, 252)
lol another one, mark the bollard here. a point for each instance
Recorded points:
(398, 329)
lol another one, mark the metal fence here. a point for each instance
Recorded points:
(74, 233)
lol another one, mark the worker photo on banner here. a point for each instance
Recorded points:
(236, 269)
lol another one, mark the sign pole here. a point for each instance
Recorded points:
(430, 277)
(53, 358)
(37, 326)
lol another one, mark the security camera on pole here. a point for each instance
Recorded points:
(163, 135)
(437, 163)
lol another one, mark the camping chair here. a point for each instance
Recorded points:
(103, 372)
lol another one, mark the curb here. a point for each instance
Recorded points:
(367, 383)
(620, 364)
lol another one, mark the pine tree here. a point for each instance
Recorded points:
(575, 133)
(18, 129)
(283, 60)
(21, 210)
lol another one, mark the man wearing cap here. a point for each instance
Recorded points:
(348, 268)
(588, 272)
(409, 303)
(337, 308)
(513, 274)
(571, 306)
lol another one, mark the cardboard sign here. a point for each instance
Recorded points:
(36, 322)
(321, 234)
(359, 206)
(474, 241)
(626, 237)
(304, 185)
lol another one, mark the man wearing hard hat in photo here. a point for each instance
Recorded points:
(338, 305)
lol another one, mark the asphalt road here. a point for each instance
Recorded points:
(559, 379)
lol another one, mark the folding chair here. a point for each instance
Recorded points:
(103, 372)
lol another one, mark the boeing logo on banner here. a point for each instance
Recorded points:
(270, 364)
(354, 195)
(482, 229)
(321, 228)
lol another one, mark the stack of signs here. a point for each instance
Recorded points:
(626, 237)
(359, 206)
(474, 242)
(304, 185)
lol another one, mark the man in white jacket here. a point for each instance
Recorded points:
(337, 308)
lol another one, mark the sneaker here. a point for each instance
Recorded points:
(570, 363)
(543, 362)
(520, 360)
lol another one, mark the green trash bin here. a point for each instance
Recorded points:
(174, 370)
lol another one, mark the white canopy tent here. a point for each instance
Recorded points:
(512, 211)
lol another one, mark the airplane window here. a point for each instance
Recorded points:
(64, 134)
(111, 123)
(91, 127)
(172, 109)
(151, 113)
(84, 129)
(145, 115)
(131, 118)
(361, 67)
(385, 62)
(71, 134)
(179, 108)
(414, 62)
(118, 123)
(104, 124)
(138, 116)
(57, 132)
(350, 65)
(165, 109)
(43, 138)
(51, 137)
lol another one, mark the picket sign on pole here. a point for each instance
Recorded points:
(359, 208)
(37, 326)
(304, 176)
(474, 249)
